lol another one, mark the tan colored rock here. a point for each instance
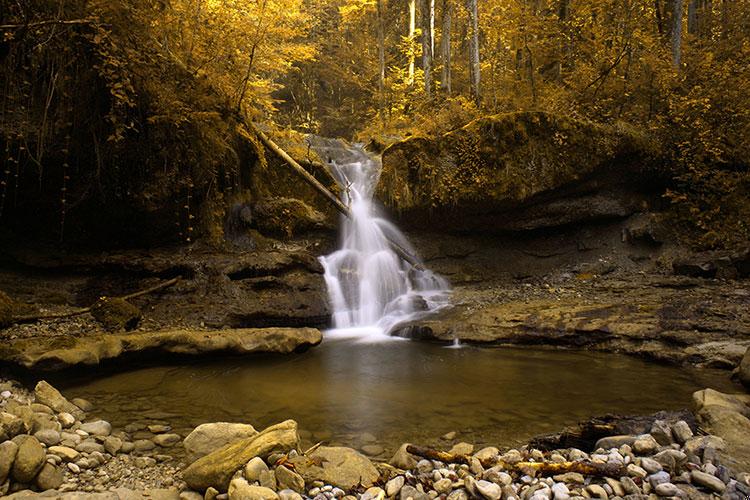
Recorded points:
(239, 489)
(29, 459)
(217, 468)
(8, 451)
(49, 478)
(209, 437)
(48, 395)
(339, 466)
(54, 354)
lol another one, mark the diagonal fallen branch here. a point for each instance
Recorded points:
(544, 468)
(83, 310)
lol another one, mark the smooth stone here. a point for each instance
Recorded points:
(372, 450)
(597, 491)
(49, 478)
(636, 471)
(460, 494)
(667, 490)
(64, 452)
(289, 495)
(127, 447)
(448, 436)
(49, 437)
(75, 469)
(48, 395)
(66, 419)
(708, 481)
(30, 458)
(671, 459)
(560, 491)
(411, 493)
(616, 487)
(645, 445)
(97, 428)
(487, 453)
(681, 432)
(650, 465)
(254, 468)
(112, 445)
(83, 404)
(373, 493)
(443, 486)
(629, 486)
(207, 438)
(8, 451)
(289, 480)
(662, 432)
(90, 446)
(159, 428)
(658, 478)
(498, 475)
(569, 477)
(143, 445)
(167, 440)
(488, 490)
(462, 449)
(240, 489)
(393, 486)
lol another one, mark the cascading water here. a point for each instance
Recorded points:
(371, 288)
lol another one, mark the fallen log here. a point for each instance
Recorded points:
(307, 177)
(83, 310)
(544, 468)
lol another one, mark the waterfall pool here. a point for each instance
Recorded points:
(346, 391)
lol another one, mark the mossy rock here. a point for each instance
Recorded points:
(286, 217)
(116, 314)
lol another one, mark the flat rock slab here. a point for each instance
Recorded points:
(55, 353)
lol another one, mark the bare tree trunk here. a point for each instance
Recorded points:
(474, 68)
(432, 27)
(562, 16)
(412, 29)
(381, 59)
(693, 17)
(659, 17)
(426, 45)
(445, 45)
(677, 34)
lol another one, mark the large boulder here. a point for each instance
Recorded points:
(210, 437)
(8, 451)
(29, 460)
(726, 416)
(339, 466)
(217, 468)
(519, 171)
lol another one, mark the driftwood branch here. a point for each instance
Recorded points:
(307, 177)
(543, 468)
(83, 310)
(49, 22)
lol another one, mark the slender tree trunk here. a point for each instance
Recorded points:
(562, 16)
(412, 29)
(445, 46)
(432, 27)
(426, 45)
(677, 34)
(381, 59)
(474, 68)
(693, 17)
(659, 16)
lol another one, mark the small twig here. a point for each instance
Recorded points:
(313, 448)
(50, 22)
(84, 310)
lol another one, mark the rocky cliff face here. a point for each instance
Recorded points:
(520, 171)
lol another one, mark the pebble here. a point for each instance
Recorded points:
(143, 445)
(667, 490)
(635, 471)
(167, 440)
(645, 445)
(97, 428)
(650, 465)
(597, 491)
(681, 432)
(708, 481)
(573, 477)
(443, 486)
(5, 394)
(490, 491)
(658, 478)
(393, 486)
(560, 491)
(75, 469)
(66, 419)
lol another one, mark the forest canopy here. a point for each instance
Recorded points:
(678, 70)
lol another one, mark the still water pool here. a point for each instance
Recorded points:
(397, 391)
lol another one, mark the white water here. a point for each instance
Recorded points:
(370, 288)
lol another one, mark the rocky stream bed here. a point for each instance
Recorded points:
(51, 447)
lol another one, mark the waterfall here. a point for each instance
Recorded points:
(369, 286)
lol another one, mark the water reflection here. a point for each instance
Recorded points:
(400, 391)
